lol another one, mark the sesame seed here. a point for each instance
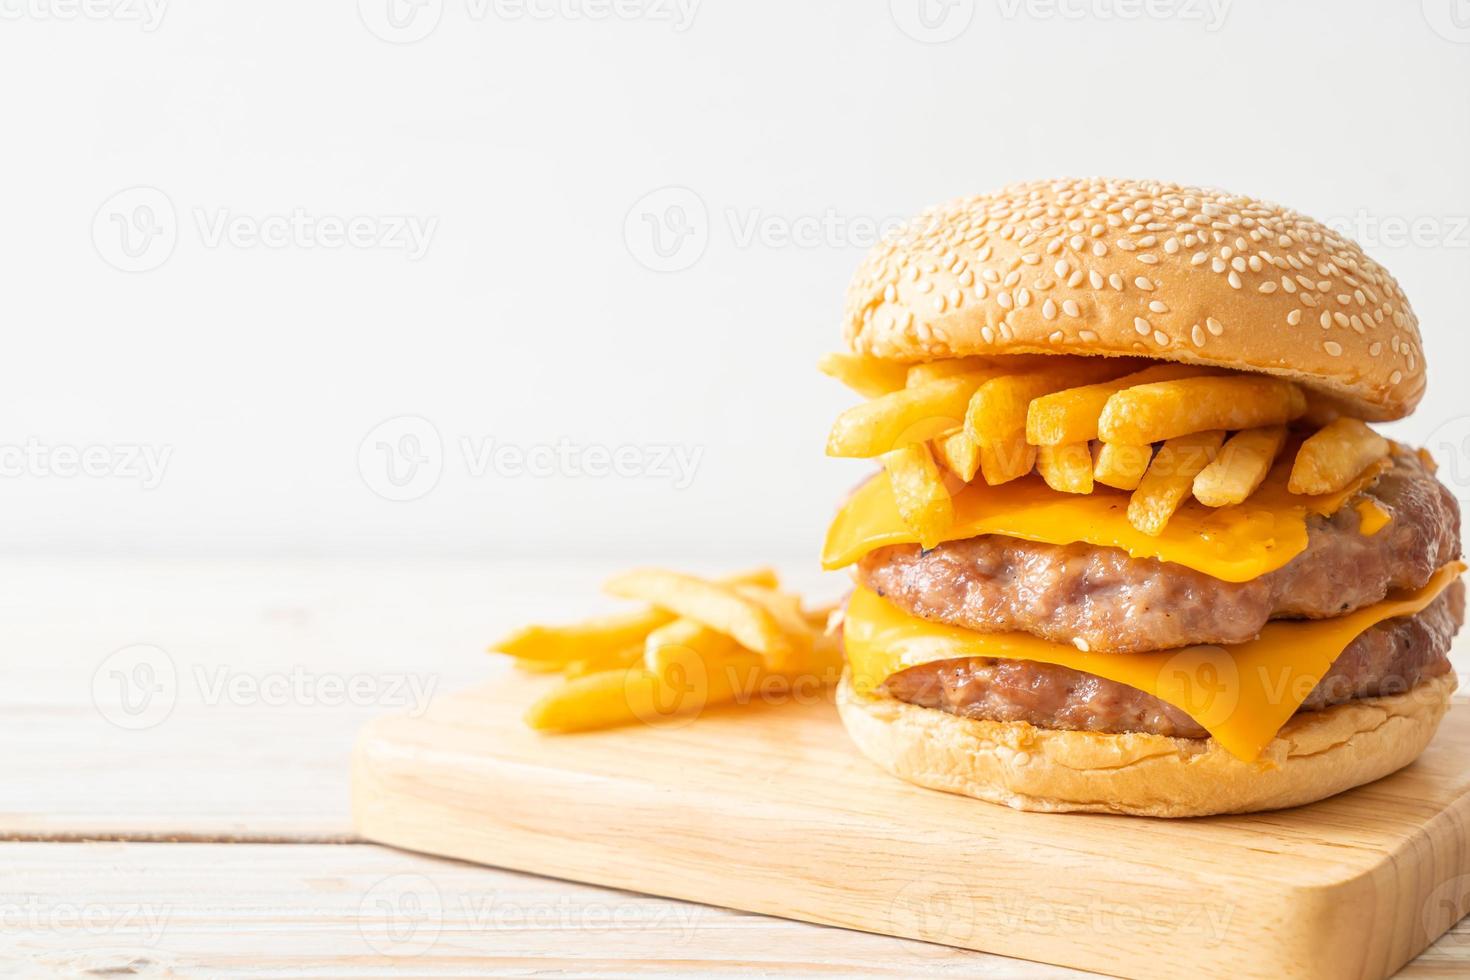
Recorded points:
(1233, 279)
(1070, 308)
(1214, 326)
(1332, 347)
(1088, 335)
(1049, 310)
(1294, 317)
(1096, 279)
(1142, 326)
(1157, 306)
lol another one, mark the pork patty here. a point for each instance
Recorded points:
(1111, 602)
(1386, 659)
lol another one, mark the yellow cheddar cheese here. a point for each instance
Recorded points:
(1235, 544)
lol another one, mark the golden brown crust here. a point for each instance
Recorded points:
(1125, 267)
(1316, 755)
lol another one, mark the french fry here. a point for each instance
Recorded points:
(539, 666)
(1334, 455)
(1242, 464)
(628, 696)
(997, 411)
(1071, 415)
(1165, 409)
(626, 657)
(1169, 479)
(903, 418)
(1066, 468)
(867, 376)
(919, 492)
(599, 639)
(600, 636)
(921, 374)
(958, 453)
(1004, 462)
(788, 612)
(716, 605)
(1121, 464)
(675, 642)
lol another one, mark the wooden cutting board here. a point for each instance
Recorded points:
(770, 809)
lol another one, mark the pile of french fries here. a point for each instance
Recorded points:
(697, 643)
(1163, 431)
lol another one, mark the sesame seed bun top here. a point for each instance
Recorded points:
(1127, 267)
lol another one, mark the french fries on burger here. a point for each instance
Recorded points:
(695, 643)
(1134, 545)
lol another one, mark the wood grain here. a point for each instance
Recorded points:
(769, 809)
(358, 910)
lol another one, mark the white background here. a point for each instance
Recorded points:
(525, 138)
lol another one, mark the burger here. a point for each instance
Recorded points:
(1134, 546)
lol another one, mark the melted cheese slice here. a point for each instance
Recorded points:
(1235, 544)
(1241, 694)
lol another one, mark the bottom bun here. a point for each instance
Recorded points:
(1316, 755)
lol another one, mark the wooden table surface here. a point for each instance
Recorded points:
(174, 797)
